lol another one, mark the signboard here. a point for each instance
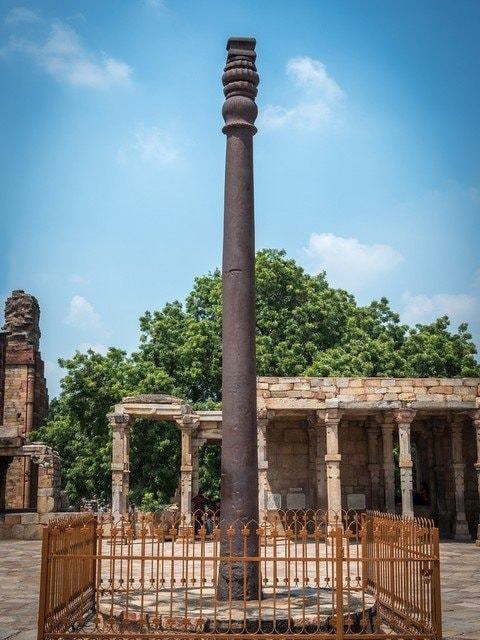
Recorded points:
(273, 501)
(356, 501)
(295, 501)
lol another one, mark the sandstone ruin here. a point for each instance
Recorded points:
(328, 443)
(29, 471)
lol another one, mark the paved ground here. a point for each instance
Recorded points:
(20, 569)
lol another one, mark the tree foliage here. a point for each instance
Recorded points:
(304, 327)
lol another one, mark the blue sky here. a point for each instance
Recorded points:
(367, 159)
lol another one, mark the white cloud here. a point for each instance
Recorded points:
(65, 58)
(347, 262)
(313, 76)
(320, 95)
(150, 145)
(98, 348)
(82, 314)
(460, 307)
(20, 14)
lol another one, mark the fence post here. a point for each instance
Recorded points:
(436, 595)
(44, 571)
(365, 562)
(94, 560)
(338, 537)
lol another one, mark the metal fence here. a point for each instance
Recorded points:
(371, 575)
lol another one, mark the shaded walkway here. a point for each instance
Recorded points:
(20, 572)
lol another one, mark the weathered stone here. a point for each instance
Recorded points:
(152, 398)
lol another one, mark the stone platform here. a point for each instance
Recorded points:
(26, 525)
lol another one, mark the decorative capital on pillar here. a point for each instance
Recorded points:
(456, 420)
(262, 414)
(332, 416)
(240, 80)
(475, 416)
(404, 416)
(329, 416)
(188, 422)
(118, 419)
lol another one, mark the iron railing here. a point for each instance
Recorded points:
(368, 575)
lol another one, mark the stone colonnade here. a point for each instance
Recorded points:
(439, 430)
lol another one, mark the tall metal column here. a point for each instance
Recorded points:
(239, 489)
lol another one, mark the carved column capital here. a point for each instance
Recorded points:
(456, 420)
(475, 417)
(329, 416)
(262, 414)
(119, 420)
(240, 81)
(188, 422)
(404, 416)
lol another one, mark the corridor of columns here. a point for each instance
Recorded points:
(402, 461)
(410, 446)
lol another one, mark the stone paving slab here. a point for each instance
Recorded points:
(20, 575)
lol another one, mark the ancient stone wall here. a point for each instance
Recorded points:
(25, 393)
(24, 399)
(3, 347)
(315, 393)
(288, 462)
(354, 465)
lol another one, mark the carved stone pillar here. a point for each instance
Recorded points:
(262, 423)
(404, 418)
(197, 444)
(373, 465)
(120, 423)
(388, 463)
(460, 525)
(476, 423)
(320, 465)
(441, 510)
(312, 429)
(332, 419)
(432, 484)
(187, 426)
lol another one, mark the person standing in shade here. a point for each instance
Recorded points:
(198, 508)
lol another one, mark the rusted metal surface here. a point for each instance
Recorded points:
(239, 486)
(403, 571)
(370, 575)
(67, 581)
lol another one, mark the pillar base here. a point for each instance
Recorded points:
(460, 531)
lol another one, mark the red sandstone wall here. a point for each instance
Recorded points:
(25, 391)
(3, 345)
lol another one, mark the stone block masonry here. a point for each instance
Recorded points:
(29, 472)
(338, 443)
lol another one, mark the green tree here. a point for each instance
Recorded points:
(304, 327)
(78, 429)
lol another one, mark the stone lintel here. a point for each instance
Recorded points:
(153, 398)
(209, 416)
(11, 446)
(444, 404)
(154, 411)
